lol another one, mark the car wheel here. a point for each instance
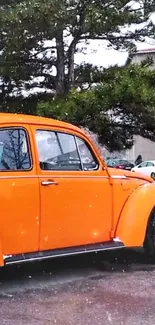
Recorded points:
(153, 176)
(149, 243)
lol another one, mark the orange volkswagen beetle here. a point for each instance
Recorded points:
(58, 197)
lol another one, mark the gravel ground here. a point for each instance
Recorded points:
(94, 290)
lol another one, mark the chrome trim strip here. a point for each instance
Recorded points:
(86, 251)
(52, 176)
(72, 176)
(61, 176)
(118, 177)
(16, 177)
(117, 240)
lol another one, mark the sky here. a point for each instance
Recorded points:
(98, 54)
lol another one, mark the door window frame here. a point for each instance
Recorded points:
(74, 135)
(27, 137)
(92, 153)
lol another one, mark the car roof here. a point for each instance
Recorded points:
(38, 120)
(153, 161)
(146, 161)
(121, 159)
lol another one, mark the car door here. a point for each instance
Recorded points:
(150, 168)
(142, 168)
(19, 192)
(76, 196)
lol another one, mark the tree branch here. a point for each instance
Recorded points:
(43, 50)
(114, 37)
(28, 60)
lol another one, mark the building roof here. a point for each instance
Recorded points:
(139, 52)
(145, 51)
(10, 118)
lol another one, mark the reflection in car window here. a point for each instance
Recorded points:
(86, 156)
(48, 146)
(68, 148)
(57, 151)
(14, 153)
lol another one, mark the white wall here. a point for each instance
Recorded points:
(139, 57)
(143, 147)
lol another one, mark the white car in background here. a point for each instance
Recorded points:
(146, 167)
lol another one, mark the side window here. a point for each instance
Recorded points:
(69, 150)
(87, 158)
(57, 151)
(149, 164)
(48, 147)
(14, 153)
(144, 164)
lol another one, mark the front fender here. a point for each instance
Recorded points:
(1, 255)
(133, 220)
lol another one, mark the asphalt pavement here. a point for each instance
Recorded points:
(99, 289)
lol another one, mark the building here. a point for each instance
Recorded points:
(141, 56)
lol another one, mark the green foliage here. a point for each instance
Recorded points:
(38, 42)
(26, 25)
(119, 107)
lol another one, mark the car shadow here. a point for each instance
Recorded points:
(123, 258)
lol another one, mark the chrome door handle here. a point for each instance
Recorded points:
(47, 183)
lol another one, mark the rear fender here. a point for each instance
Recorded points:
(133, 220)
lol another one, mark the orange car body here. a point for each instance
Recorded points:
(54, 207)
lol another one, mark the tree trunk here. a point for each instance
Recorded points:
(60, 78)
(71, 53)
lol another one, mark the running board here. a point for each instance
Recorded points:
(38, 256)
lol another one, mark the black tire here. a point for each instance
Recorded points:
(149, 242)
(153, 176)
